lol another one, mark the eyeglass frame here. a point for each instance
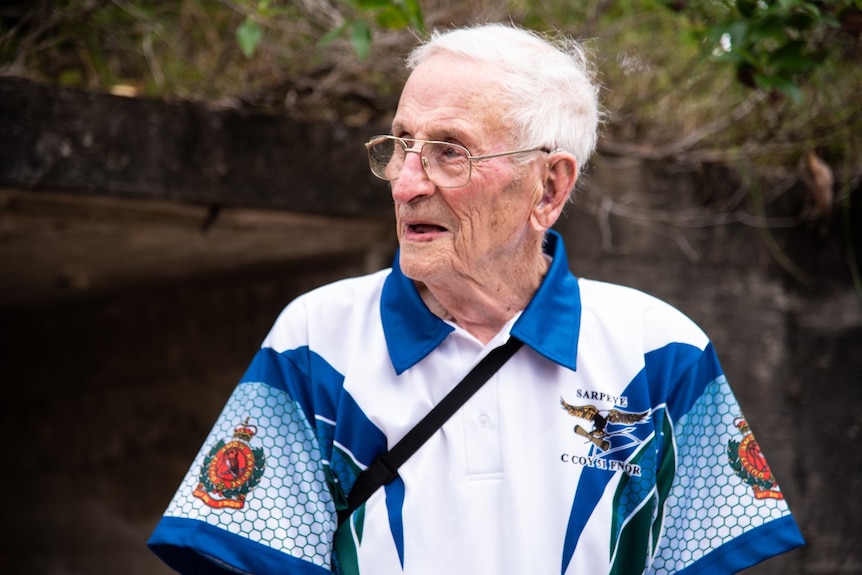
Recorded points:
(424, 161)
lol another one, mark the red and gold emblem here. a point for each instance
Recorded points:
(231, 470)
(750, 465)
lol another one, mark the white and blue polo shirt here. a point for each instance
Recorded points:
(610, 443)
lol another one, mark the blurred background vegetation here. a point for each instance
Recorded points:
(770, 88)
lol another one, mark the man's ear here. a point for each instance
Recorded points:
(561, 173)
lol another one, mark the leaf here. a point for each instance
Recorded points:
(746, 7)
(767, 28)
(793, 58)
(392, 18)
(414, 13)
(330, 36)
(373, 4)
(802, 21)
(780, 83)
(739, 33)
(248, 35)
(360, 37)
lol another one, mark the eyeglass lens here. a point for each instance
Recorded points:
(447, 165)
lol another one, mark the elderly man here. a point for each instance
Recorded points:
(609, 442)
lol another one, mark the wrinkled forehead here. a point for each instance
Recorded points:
(451, 97)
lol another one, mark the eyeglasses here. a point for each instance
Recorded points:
(447, 165)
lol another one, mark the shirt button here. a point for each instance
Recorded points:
(484, 420)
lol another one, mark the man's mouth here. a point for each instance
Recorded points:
(425, 228)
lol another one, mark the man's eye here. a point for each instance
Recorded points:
(450, 153)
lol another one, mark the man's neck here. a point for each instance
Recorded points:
(482, 308)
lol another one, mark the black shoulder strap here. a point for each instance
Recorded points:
(385, 466)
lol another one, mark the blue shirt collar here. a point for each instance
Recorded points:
(550, 324)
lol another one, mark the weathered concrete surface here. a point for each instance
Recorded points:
(125, 326)
(58, 248)
(107, 401)
(91, 143)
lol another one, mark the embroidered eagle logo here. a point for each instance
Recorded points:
(601, 418)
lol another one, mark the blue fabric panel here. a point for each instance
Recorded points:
(175, 538)
(749, 549)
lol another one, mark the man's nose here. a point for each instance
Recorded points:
(413, 181)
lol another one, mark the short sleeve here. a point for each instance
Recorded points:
(725, 510)
(255, 499)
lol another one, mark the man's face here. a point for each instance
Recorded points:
(482, 229)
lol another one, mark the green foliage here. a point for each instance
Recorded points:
(671, 67)
(359, 19)
(250, 31)
(755, 86)
(751, 83)
(386, 14)
(772, 45)
(248, 35)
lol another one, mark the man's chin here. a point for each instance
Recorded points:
(420, 264)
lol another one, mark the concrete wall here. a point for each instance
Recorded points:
(110, 392)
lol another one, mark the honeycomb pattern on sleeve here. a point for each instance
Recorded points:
(290, 510)
(709, 505)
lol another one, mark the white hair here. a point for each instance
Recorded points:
(547, 89)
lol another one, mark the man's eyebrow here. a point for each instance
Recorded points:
(443, 134)
(449, 134)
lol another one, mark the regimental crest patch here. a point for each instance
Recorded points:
(231, 470)
(750, 465)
